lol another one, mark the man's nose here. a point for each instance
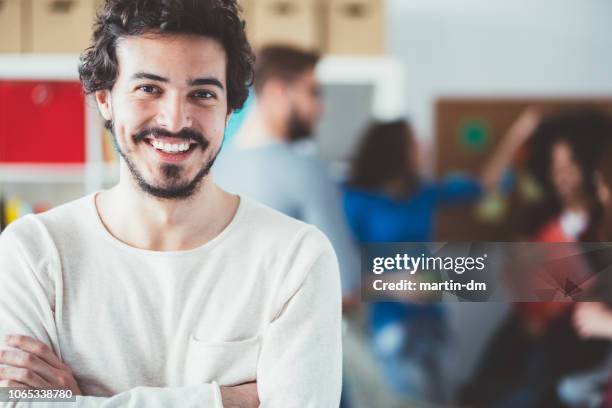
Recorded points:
(173, 113)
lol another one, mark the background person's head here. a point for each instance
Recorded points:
(166, 75)
(288, 91)
(386, 158)
(565, 157)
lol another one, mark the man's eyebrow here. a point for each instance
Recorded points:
(205, 81)
(152, 77)
(192, 82)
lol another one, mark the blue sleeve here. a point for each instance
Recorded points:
(458, 189)
(352, 213)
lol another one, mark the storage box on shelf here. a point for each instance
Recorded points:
(11, 20)
(60, 26)
(46, 26)
(346, 27)
(355, 27)
(291, 22)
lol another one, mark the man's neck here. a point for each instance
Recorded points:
(261, 129)
(143, 221)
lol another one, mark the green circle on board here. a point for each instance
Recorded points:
(474, 135)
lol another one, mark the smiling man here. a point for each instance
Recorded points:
(166, 291)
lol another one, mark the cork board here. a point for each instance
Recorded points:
(467, 132)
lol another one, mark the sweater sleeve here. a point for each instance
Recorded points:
(300, 363)
(458, 189)
(27, 289)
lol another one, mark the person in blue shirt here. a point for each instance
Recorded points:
(385, 200)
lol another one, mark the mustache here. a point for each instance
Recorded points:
(187, 134)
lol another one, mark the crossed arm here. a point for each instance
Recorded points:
(31, 364)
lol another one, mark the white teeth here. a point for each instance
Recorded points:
(170, 148)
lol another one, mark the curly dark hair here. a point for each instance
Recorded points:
(217, 19)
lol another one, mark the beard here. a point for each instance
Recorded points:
(173, 186)
(298, 129)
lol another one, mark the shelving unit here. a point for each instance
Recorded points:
(94, 174)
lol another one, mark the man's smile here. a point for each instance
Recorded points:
(171, 149)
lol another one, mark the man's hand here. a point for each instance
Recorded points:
(240, 396)
(34, 365)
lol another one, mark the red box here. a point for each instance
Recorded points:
(42, 122)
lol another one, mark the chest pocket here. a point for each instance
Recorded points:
(227, 363)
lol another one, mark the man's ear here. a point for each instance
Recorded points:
(103, 98)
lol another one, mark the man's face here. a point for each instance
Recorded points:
(168, 110)
(306, 108)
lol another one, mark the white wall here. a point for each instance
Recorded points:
(499, 47)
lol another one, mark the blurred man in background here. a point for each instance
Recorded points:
(265, 164)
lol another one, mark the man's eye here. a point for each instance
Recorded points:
(203, 95)
(148, 89)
